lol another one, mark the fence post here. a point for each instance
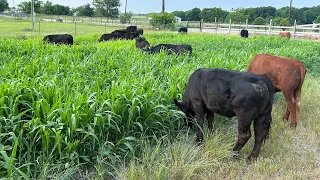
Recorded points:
(201, 21)
(319, 33)
(270, 26)
(230, 26)
(39, 26)
(294, 28)
(75, 27)
(246, 24)
(215, 22)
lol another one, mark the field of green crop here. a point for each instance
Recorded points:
(23, 29)
(106, 110)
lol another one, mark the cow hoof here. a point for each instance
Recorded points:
(199, 143)
(285, 118)
(251, 158)
(293, 125)
(236, 155)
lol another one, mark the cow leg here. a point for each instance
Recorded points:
(210, 116)
(259, 134)
(291, 108)
(199, 113)
(244, 132)
(286, 114)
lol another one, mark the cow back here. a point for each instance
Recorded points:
(284, 72)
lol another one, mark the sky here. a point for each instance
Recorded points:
(148, 6)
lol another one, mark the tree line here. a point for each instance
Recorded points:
(101, 8)
(257, 15)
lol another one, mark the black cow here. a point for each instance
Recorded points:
(244, 33)
(132, 29)
(230, 93)
(107, 37)
(130, 35)
(144, 45)
(59, 39)
(140, 31)
(119, 31)
(183, 30)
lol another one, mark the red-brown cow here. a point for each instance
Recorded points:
(285, 35)
(287, 75)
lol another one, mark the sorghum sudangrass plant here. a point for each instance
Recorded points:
(94, 102)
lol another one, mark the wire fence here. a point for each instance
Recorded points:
(78, 24)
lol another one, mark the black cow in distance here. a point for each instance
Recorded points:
(59, 39)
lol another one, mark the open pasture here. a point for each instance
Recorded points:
(102, 104)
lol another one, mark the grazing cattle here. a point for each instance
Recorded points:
(285, 35)
(171, 48)
(107, 37)
(140, 31)
(132, 29)
(119, 31)
(59, 39)
(143, 44)
(183, 30)
(130, 35)
(230, 93)
(287, 75)
(244, 33)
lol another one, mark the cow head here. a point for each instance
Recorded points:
(142, 43)
(187, 111)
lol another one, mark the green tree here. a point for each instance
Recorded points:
(265, 12)
(194, 14)
(61, 10)
(126, 18)
(284, 22)
(276, 21)
(251, 12)
(237, 17)
(107, 8)
(163, 20)
(47, 8)
(3, 5)
(318, 19)
(84, 10)
(259, 21)
(26, 6)
(209, 14)
(180, 14)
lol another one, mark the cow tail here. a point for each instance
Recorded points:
(298, 92)
(268, 117)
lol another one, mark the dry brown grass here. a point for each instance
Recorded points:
(288, 154)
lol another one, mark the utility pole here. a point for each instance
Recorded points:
(162, 6)
(125, 8)
(289, 11)
(32, 14)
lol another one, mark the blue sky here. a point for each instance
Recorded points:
(146, 6)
